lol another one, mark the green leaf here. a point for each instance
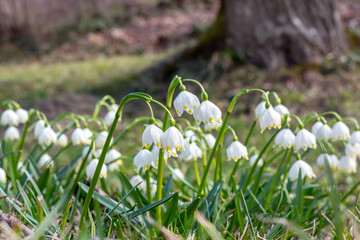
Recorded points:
(44, 179)
(171, 211)
(135, 199)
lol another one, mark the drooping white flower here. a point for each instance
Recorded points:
(236, 151)
(178, 174)
(143, 159)
(192, 152)
(78, 136)
(304, 139)
(253, 160)
(151, 135)
(207, 112)
(62, 139)
(114, 165)
(324, 133)
(285, 138)
(47, 136)
(87, 135)
(270, 119)
(210, 139)
(113, 107)
(211, 126)
(2, 175)
(12, 133)
(305, 168)
(109, 117)
(112, 155)
(101, 139)
(348, 164)
(260, 108)
(355, 137)
(316, 127)
(97, 152)
(9, 117)
(172, 141)
(45, 161)
(282, 110)
(135, 180)
(352, 150)
(86, 150)
(155, 151)
(39, 126)
(22, 115)
(340, 131)
(186, 101)
(190, 135)
(331, 159)
(91, 167)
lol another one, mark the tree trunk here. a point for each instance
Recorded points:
(275, 33)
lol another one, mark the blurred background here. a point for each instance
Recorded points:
(62, 56)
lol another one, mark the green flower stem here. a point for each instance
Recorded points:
(98, 107)
(148, 186)
(238, 212)
(204, 95)
(218, 171)
(353, 120)
(165, 108)
(127, 98)
(301, 124)
(196, 169)
(23, 136)
(288, 163)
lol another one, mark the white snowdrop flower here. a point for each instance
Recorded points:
(155, 151)
(47, 136)
(348, 164)
(62, 139)
(87, 135)
(340, 131)
(210, 139)
(22, 115)
(112, 155)
(192, 152)
(316, 127)
(172, 141)
(109, 117)
(113, 108)
(114, 166)
(190, 135)
(253, 160)
(186, 101)
(304, 139)
(211, 126)
(236, 151)
(78, 136)
(285, 138)
(260, 108)
(12, 133)
(178, 174)
(143, 159)
(305, 168)
(282, 110)
(45, 161)
(85, 151)
(101, 139)
(270, 119)
(135, 180)
(324, 133)
(9, 117)
(352, 150)
(331, 159)
(97, 153)
(207, 112)
(355, 137)
(39, 126)
(151, 135)
(2, 175)
(91, 167)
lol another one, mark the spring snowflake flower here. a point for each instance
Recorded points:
(45, 161)
(62, 139)
(114, 165)
(207, 112)
(355, 137)
(260, 109)
(190, 135)
(78, 136)
(304, 139)
(178, 174)
(88, 135)
(331, 159)
(172, 141)
(210, 139)
(348, 164)
(2, 175)
(39, 126)
(340, 131)
(113, 108)
(85, 151)
(352, 150)
(155, 151)
(143, 159)
(9, 117)
(270, 119)
(305, 168)
(253, 160)
(186, 101)
(47, 136)
(109, 117)
(112, 155)
(316, 127)
(91, 167)
(101, 139)
(282, 110)
(285, 138)
(236, 151)
(135, 180)
(211, 126)
(192, 152)
(12, 133)
(151, 135)
(22, 115)
(324, 133)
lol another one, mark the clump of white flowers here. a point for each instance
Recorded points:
(332, 160)
(143, 159)
(207, 112)
(9, 117)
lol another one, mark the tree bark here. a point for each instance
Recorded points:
(275, 33)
